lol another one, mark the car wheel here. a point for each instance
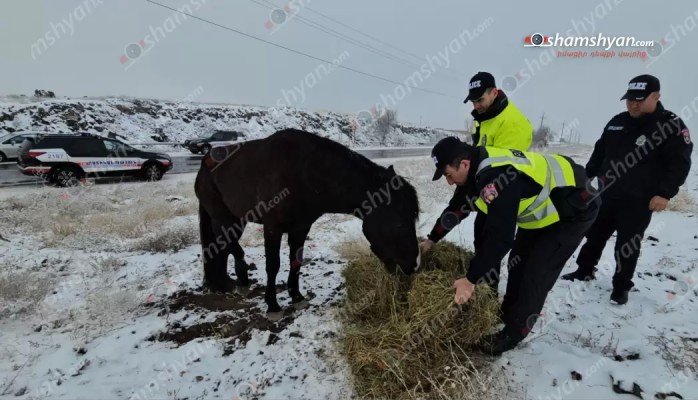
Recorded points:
(3, 157)
(205, 149)
(67, 176)
(152, 172)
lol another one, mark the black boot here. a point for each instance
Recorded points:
(497, 343)
(619, 296)
(579, 275)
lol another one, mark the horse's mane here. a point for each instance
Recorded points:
(377, 173)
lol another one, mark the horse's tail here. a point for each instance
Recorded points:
(205, 227)
(207, 193)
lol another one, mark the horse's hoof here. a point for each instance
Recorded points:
(243, 290)
(275, 316)
(273, 307)
(244, 281)
(301, 305)
(297, 298)
(224, 285)
(251, 267)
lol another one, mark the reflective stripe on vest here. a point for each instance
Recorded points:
(554, 170)
(541, 211)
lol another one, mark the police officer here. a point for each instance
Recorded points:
(641, 159)
(542, 195)
(498, 123)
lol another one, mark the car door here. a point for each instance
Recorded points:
(217, 139)
(122, 158)
(230, 137)
(90, 154)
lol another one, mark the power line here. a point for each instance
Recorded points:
(369, 36)
(295, 51)
(362, 33)
(346, 38)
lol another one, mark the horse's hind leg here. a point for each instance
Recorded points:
(214, 256)
(296, 240)
(272, 246)
(231, 234)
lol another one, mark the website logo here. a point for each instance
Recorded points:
(600, 40)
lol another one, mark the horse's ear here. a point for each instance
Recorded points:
(391, 170)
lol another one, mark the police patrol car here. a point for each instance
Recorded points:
(66, 159)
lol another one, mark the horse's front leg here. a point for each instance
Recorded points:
(272, 246)
(296, 240)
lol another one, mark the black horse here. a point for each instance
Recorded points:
(286, 181)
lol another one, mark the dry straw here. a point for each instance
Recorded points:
(405, 337)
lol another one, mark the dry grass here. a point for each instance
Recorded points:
(169, 239)
(102, 313)
(133, 223)
(405, 338)
(679, 354)
(109, 263)
(21, 291)
(105, 215)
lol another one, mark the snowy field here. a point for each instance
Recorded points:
(86, 307)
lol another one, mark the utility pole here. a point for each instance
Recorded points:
(562, 132)
(542, 117)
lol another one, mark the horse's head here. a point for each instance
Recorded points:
(390, 215)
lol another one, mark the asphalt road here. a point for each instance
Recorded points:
(10, 176)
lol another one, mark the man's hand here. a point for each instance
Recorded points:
(425, 246)
(464, 290)
(658, 203)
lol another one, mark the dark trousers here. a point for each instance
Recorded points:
(630, 219)
(535, 262)
(479, 224)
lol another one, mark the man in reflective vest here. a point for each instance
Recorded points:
(544, 195)
(498, 123)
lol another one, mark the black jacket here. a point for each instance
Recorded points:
(638, 158)
(500, 225)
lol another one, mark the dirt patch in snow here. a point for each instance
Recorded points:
(240, 315)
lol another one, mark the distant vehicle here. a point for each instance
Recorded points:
(65, 159)
(10, 143)
(218, 138)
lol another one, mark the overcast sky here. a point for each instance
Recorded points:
(78, 47)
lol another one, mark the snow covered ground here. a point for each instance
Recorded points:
(84, 311)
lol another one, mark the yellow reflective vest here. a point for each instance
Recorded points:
(508, 130)
(548, 170)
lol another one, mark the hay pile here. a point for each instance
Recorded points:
(411, 341)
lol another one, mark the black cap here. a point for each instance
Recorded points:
(444, 152)
(640, 87)
(478, 84)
